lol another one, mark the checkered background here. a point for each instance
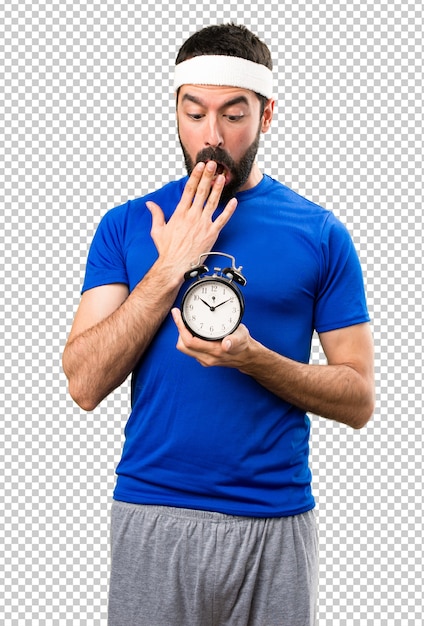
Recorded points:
(87, 121)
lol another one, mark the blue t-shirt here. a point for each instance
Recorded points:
(213, 438)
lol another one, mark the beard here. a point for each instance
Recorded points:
(239, 171)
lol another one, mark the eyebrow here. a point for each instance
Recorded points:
(200, 102)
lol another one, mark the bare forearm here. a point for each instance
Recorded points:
(100, 359)
(342, 390)
(336, 392)
(110, 335)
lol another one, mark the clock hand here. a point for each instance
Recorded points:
(221, 303)
(212, 308)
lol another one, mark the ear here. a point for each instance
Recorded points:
(267, 116)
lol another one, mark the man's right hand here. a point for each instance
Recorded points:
(112, 327)
(190, 231)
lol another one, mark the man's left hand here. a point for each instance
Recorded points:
(229, 352)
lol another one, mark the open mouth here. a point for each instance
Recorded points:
(222, 169)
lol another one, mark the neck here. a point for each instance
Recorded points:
(254, 179)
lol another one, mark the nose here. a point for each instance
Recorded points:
(213, 134)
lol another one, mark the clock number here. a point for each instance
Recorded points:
(212, 310)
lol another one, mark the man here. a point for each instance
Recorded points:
(212, 521)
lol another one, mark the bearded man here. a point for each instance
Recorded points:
(213, 514)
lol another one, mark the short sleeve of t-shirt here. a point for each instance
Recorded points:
(105, 262)
(340, 300)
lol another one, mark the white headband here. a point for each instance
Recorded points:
(224, 71)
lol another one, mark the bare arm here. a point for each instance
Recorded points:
(112, 329)
(342, 390)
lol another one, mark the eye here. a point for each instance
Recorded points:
(234, 118)
(195, 116)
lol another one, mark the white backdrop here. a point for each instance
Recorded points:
(87, 121)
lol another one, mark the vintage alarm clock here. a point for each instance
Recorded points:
(213, 305)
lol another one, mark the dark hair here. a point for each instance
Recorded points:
(229, 40)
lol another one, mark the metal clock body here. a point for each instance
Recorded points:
(213, 306)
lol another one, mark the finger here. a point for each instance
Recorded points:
(191, 186)
(208, 174)
(187, 343)
(210, 188)
(178, 320)
(176, 316)
(227, 344)
(210, 203)
(224, 217)
(236, 342)
(183, 333)
(158, 218)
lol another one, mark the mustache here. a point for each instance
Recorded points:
(216, 154)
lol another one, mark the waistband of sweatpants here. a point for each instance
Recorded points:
(195, 514)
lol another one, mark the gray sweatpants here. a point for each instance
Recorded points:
(178, 567)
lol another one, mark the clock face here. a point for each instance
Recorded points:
(212, 308)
